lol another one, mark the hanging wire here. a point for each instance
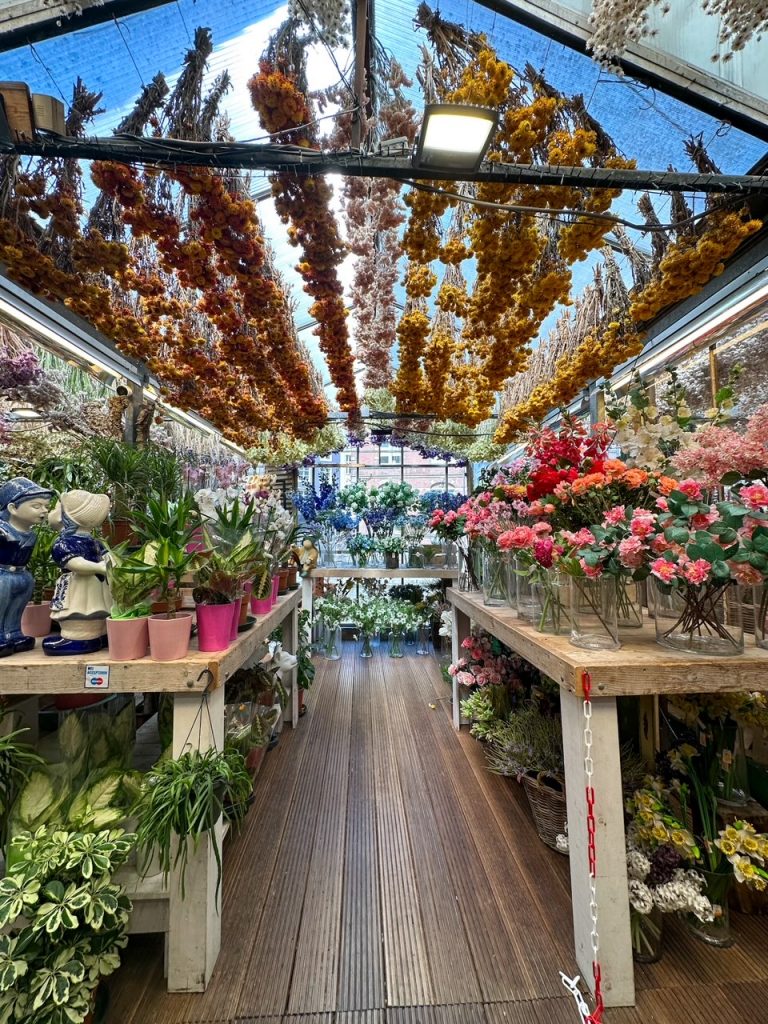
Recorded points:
(119, 28)
(48, 72)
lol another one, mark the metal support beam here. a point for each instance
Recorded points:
(30, 21)
(302, 162)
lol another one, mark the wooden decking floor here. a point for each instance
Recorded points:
(383, 876)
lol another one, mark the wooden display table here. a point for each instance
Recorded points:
(639, 668)
(366, 573)
(192, 926)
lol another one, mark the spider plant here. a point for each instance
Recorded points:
(183, 801)
(17, 761)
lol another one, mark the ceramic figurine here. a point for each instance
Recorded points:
(81, 601)
(308, 557)
(23, 504)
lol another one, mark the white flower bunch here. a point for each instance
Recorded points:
(684, 892)
(329, 19)
(446, 624)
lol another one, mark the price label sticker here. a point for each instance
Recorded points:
(97, 677)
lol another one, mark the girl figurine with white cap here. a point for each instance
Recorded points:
(81, 601)
(23, 504)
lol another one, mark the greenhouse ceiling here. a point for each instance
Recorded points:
(125, 44)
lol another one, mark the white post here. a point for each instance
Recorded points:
(194, 935)
(615, 953)
(462, 627)
(307, 586)
(290, 646)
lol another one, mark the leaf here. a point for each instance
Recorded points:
(72, 739)
(721, 571)
(37, 801)
(677, 535)
(729, 479)
(689, 509)
(757, 560)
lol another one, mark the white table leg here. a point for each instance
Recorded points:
(613, 907)
(194, 935)
(307, 586)
(290, 645)
(462, 627)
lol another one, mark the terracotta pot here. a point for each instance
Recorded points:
(214, 624)
(169, 638)
(47, 593)
(118, 531)
(234, 622)
(282, 587)
(128, 638)
(70, 701)
(36, 619)
(266, 698)
(293, 577)
(245, 607)
(163, 607)
(302, 705)
(254, 759)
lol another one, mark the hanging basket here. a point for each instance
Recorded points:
(546, 796)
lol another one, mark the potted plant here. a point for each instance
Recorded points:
(183, 801)
(391, 548)
(166, 529)
(529, 747)
(128, 621)
(17, 761)
(305, 668)
(36, 619)
(64, 922)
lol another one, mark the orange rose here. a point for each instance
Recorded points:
(635, 478)
(584, 483)
(667, 484)
(615, 467)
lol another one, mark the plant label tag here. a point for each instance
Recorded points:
(97, 677)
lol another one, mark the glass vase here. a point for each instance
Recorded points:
(629, 609)
(332, 643)
(396, 649)
(366, 651)
(552, 597)
(450, 554)
(718, 931)
(423, 638)
(760, 605)
(732, 783)
(525, 602)
(647, 935)
(494, 578)
(594, 619)
(415, 558)
(510, 564)
(328, 547)
(468, 580)
(702, 620)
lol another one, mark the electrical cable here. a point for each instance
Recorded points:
(299, 127)
(558, 215)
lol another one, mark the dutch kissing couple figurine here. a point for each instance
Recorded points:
(81, 600)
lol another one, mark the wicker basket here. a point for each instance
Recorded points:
(546, 796)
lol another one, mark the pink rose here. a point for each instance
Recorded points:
(632, 552)
(691, 488)
(520, 537)
(450, 518)
(579, 539)
(663, 504)
(540, 528)
(615, 515)
(697, 572)
(704, 519)
(643, 524)
(755, 496)
(746, 574)
(543, 551)
(592, 572)
(664, 570)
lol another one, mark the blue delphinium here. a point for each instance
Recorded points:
(448, 501)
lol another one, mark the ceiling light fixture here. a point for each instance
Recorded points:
(454, 135)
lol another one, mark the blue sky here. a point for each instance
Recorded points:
(117, 58)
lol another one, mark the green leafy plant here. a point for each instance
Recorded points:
(305, 669)
(44, 570)
(166, 529)
(64, 923)
(527, 743)
(129, 584)
(17, 761)
(182, 802)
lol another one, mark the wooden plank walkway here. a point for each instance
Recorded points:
(383, 876)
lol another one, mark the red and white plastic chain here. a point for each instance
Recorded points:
(596, 1016)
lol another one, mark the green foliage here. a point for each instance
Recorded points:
(305, 670)
(165, 529)
(183, 800)
(44, 570)
(17, 761)
(527, 742)
(129, 584)
(64, 923)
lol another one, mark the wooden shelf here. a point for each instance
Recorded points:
(640, 667)
(32, 672)
(351, 572)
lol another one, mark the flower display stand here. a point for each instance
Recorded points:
(639, 668)
(192, 926)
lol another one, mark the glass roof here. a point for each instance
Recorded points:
(118, 57)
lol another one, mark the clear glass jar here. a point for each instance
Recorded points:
(332, 643)
(629, 609)
(365, 646)
(424, 638)
(594, 619)
(512, 581)
(702, 620)
(396, 648)
(647, 932)
(525, 602)
(468, 577)
(552, 595)
(494, 578)
(760, 605)
(718, 931)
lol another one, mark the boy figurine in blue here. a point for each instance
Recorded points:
(81, 601)
(23, 505)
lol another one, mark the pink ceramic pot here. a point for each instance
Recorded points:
(261, 605)
(275, 588)
(36, 619)
(234, 623)
(169, 638)
(214, 625)
(128, 638)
